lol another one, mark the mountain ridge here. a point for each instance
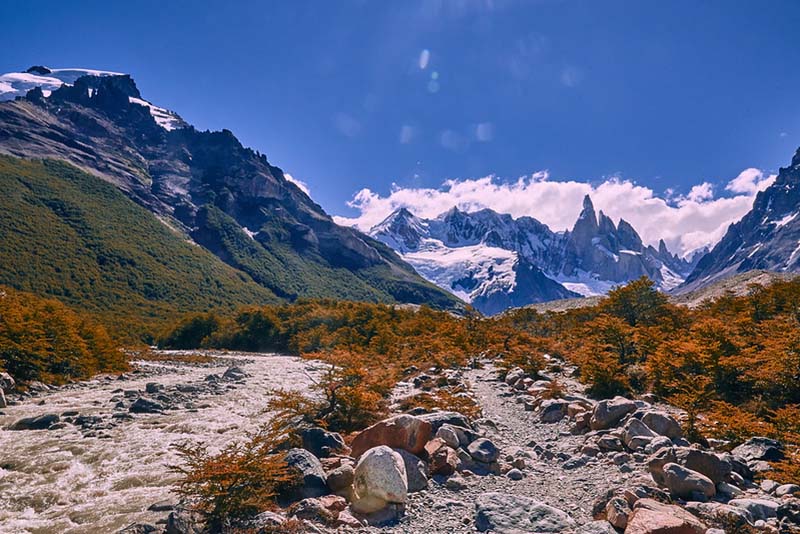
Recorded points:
(481, 256)
(208, 186)
(766, 238)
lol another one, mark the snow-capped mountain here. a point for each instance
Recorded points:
(206, 186)
(767, 238)
(495, 261)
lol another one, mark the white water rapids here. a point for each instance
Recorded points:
(60, 482)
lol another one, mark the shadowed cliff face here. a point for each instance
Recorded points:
(767, 238)
(102, 125)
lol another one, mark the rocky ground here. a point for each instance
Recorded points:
(569, 464)
(533, 462)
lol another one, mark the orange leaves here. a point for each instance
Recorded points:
(44, 340)
(240, 481)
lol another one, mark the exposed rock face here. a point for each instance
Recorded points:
(497, 261)
(227, 198)
(380, 479)
(512, 514)
(765, 238)
(653, 517)
(400, 432)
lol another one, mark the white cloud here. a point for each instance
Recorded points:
(571, 76)
(424, 58)
(484, 132)
(750, 181)
(685, 223)
(347, 124)
(299, 183)
(406, 134)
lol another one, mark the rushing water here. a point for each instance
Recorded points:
(60, 482)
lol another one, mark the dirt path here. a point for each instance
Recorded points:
(550, 476)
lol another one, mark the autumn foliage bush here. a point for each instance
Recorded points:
(42, 339)
(733, 364)
(236, 483)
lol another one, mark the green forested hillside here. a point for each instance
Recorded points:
(72, 236)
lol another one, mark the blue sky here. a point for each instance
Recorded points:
(348, 95)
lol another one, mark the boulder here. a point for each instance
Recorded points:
(707, 463)
(636, 435)
(609, 412)
(662, 423)
(483, 450)
(652, 517)
(3, 403)
(380, 479)
(657, 443)
(465, 435)
(322, 443)
(312, 510)
(787, 489)
(718, 513)
(405, 432)
(142, 405)
(757, 508)
(309, 470)
(234, 373)
(416, 471)
(41, 422)
(609, 443)
(759, 448)
(684, 482)
(437, 419)
(7, 382)
(448, 434)
(502, 513)
(617, 512)
(340, 479)
(552, 410)
(514, 375)
(444, 461)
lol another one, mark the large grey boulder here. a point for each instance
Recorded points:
(502, 513)
(636, 435)
(552, 410)
(708, 463)
(309, 470)
(609, 412)
(41, 422)
(437, 419)
(322, 443)
(685, 483)
(416, 471)
(380, 480)
(662, 423)
(759, 448)
(483, 450)
(757, 508)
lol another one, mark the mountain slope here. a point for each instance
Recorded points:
(495, 261)
(767, 238)
(70, 235)
(207, 185)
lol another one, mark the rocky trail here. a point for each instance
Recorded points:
(94, 457)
